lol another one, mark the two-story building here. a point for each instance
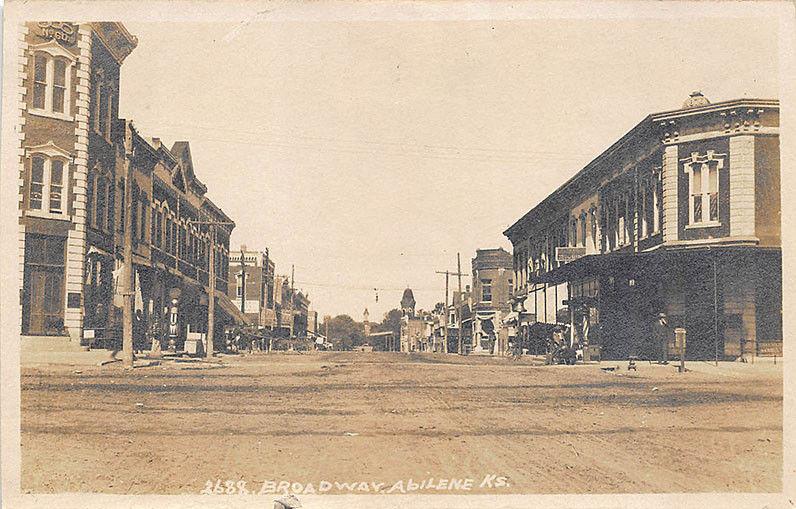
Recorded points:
(681, 216)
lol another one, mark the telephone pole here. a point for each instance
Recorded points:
(211, 299)
(242, 283)
(447, 286)
(127, 273)
(445, 323)
(458, 311)
(292, 315)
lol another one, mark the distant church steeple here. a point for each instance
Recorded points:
(408, 303)
(366, 322)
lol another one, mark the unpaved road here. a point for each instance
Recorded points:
(387, 418)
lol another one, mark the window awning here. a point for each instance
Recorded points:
(230, 309)
(593, 266)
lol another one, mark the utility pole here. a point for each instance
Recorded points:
(445, 322)
(458, 311)
(242, 282)
(211, 300)
(292, 315)
(447, 285)
(127, 274)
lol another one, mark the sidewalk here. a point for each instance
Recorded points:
(79, 358)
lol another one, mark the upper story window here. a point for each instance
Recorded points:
(100, 200)
(103, 97)
(486, 290)
(52, 81)
(47, 181)
(703, 188)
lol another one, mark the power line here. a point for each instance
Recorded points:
(293, 135)
(410, 150)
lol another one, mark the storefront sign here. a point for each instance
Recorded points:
(65, 33)
(569, 254)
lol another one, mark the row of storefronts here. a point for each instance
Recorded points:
(270, 302)
(678, 220)
(77, 159)
(474, 321)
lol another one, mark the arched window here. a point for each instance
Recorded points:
(52, 80)
(47, 179)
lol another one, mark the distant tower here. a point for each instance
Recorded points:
(408, 303)
(366, 321)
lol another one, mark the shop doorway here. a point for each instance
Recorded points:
(43, 292)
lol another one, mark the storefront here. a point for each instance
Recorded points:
(43, 288)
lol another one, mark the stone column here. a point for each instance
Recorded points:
(670, 179)
(21, 107)
(742, 186)
(76, 240)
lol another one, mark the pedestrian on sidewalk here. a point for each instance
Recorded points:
(661, 334)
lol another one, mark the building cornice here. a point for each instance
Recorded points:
(116, 39)
(745, 113)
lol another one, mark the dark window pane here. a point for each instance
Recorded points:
(103, 110)
(40, 68)
(58, 99)
(34, 249)
(57, 175)
(59, 77)
(698, 209)
(109, 205)
(54, 249)
(38, 95)
(714, 206)
(39, 81)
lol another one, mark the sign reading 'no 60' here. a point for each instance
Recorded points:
(65, 33)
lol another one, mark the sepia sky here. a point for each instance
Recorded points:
(369, 153)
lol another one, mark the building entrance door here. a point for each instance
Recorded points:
(46, 302)
(43, 295)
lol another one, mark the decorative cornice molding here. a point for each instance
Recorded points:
(49, 149)
(54, 49)
(116, 39)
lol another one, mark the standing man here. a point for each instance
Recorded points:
(662, 338)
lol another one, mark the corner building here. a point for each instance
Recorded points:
(680, 216)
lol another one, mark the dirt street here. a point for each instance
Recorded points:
(379, 420)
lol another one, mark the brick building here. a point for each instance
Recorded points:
(68, 82)
(74, 158)
(251, 285)
(493, 277)
(680, 216)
